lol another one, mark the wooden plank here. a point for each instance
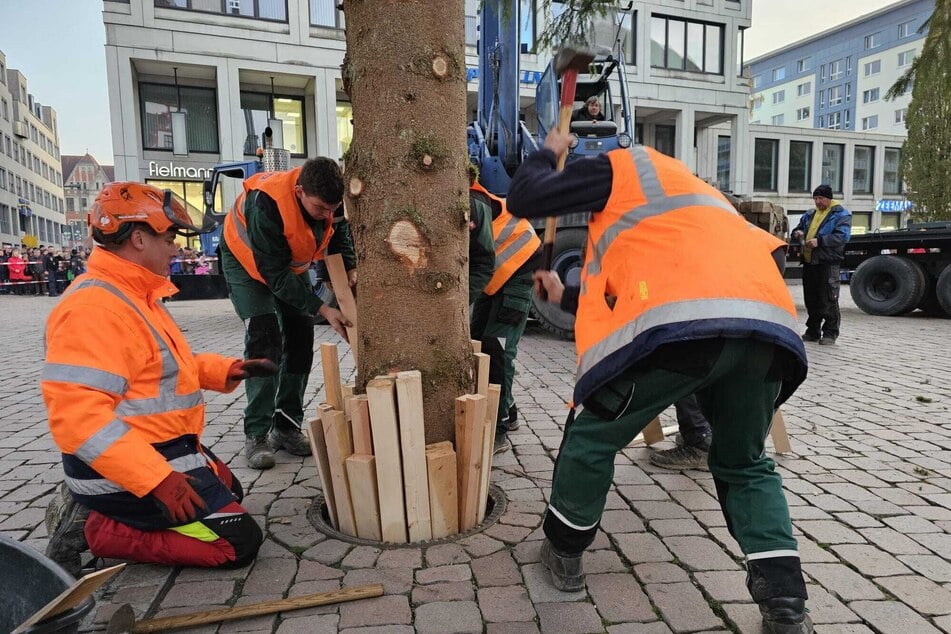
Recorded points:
(653, 433)
(409, 400)
(639, 439)
(476, 346)
(470, 423)
(360, 424)
(318, 447)
(443, 498)
(331, 367)
(482, 373)
(488, 444)
(361, 471)
(345, 299)
(339, 448)
(386, 448)
(777, 430)
(68, 598)
(346, 390)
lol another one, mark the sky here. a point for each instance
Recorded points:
(65, 62)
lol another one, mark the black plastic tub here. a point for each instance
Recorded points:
(30, 580)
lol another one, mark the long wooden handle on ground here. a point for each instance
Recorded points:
(259, 609)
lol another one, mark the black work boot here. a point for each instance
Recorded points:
(681, 457)
(258, 453)
(66, 524)
(292, 440)
(785, 615)
(511, 422)
(567, 573)
(777, 586)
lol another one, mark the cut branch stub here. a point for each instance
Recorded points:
(356, 187)
(409, 245)
(426, 161)
(440, 67)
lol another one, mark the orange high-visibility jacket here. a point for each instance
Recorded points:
(515, 242)
(682, 265)
(119, 378)
(300, 238)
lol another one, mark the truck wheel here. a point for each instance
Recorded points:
(929, 305)
(567, 262)
(943, 290)
(888, 285)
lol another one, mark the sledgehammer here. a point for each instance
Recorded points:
(568, 61)
(124, 618)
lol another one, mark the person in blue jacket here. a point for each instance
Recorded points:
(824, 232)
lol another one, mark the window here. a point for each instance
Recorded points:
(873, 68)
(832, 155)
(765, 157)
(779, 74)
(261, 9)
(900, 115)
(848, 93)
(835, 95)
(835, 70)
(686, 45)
(257, 108)
(758, 102)
(892, 182)
(191, 192)
(802, 114)
(5, 226)
(835, 121)
(664, 139)
(527, 37)
(779, 96)
(804, 64)
(325, 13)
(757, 81)
(871, 95)
(723, 163)
(804, 89)
(778, 119)
(873, 41)
(905, 58)
(847, 124)
(870, 123)
(6, 109)
(157, 102)
(906, 29)
(3, 178)
(862, 169)
(822, 72)
(822, 99)
(848, 65)
(344, 127)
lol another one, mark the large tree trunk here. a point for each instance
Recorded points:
(408, 196)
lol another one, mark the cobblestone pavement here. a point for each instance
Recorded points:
(869, 487)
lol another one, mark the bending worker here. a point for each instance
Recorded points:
(679, 295)
(123, 391)
(501, 309)
(280, 224)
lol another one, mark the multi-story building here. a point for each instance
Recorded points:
(31, 184)
(83, 179)
(837, 79)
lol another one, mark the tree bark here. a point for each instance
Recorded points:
(409, 205)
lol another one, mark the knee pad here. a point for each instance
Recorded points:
(264, 338)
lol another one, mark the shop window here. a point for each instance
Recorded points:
(765, 163)
(890, 222)
(862, 169)
(861, 222)
(800, 166)
(157, 102)
(832, 161)
(892, 183)
(191, 193)
(257, 108)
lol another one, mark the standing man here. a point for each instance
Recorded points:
(501, 309)
(824, 232)
(679, 295)
(123, 392)
(280, 224)
(49, 266)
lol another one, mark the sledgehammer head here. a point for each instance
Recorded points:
(572, 58)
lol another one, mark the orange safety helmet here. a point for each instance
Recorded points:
(120, 205)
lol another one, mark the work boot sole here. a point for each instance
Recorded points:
(805, 627)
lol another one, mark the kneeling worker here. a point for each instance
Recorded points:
(124, 395)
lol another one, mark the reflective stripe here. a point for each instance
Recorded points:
(158, 405)
(101, 486)
(512, 249)
(99, 442)
(81, 375)
(770, 554)
(678, 312)
(567, 523)
(196, 530)
(646, 173)
(506, 232)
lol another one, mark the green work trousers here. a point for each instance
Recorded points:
(276, 331)
(737, 396)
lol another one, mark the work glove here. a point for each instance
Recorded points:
(241, 370)
(177, 499)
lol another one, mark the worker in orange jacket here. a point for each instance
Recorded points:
(124, 396)
(679, 295)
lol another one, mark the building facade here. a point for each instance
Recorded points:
(83, 179)
(31, 182)
(837, 79)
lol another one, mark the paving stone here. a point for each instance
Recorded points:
(443, 591)
(643, 547)
(938, 543)
(600, 561)
(869, 560)
(394, 580)
(660, 572)
(568, 618)
(621, 521)
(511, 628)
(390, 609)
(269, 576)
(651, 510)
(826, 609)
(683, 607)
(907, 524)
(858, 520)
(930, 566)
(842, 582)
(199, 594)
(400, 558)
(700, 553)
(456, 572)
(445, 554)
(892, 617)
(497, 569)
(538, 583)
(669, 528)
(453, 617)
(922, 595)
(829, 532)
(324, 624)
(329, 552)
(361, 557)
(506, 604)
(724, 585)
(527, 552)
(480, 545)
(313, 571)
(380, 629)
(619, 597)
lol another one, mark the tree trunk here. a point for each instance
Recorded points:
(407, 196)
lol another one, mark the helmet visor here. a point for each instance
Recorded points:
(177, 212)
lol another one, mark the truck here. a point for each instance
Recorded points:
(896, 272)
(499, 138)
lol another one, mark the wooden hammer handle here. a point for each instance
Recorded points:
(259, 609)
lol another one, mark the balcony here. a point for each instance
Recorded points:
(21, 129)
